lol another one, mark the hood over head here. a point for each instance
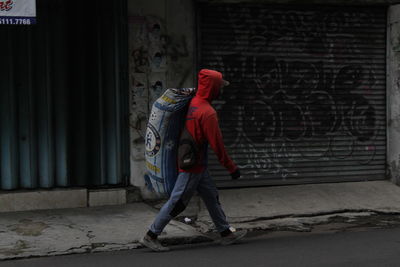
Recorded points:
(209, 84)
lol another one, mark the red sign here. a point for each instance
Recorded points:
(6, 5)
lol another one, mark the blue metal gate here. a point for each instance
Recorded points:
(64, 97)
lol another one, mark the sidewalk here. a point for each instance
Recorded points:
(67, 231)
(298, 208)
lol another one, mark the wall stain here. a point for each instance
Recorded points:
(28, 227)
(18, 248)
(394, 123)
(395, 170)
(396, 45)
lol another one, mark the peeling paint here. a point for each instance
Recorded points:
(158, 59)
(395, 170)
(176, 47)
(395, 42)
(394, 123)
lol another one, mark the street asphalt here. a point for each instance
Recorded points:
(359, 247)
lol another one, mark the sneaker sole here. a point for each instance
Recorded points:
(232, 241)
(156, 249)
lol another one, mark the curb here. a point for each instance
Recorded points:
(346, 220)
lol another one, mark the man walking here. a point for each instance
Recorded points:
(202, 125)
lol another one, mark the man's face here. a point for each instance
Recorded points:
(221, 89)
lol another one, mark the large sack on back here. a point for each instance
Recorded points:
(165, 124)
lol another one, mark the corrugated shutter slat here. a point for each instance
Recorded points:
(307, 100)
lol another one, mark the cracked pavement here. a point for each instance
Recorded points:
(57, 232)
(301, 208)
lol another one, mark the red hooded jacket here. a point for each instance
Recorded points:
(202, 122)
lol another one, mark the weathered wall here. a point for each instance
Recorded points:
(393, 92)
(161, 41)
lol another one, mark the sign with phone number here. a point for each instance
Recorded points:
(17, 12)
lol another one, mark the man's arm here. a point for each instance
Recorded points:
(214, 137)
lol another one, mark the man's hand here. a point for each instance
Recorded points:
(236, 174)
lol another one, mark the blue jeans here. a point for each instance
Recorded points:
(185, 187)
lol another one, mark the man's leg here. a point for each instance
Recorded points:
(209, 193)
(183, 191)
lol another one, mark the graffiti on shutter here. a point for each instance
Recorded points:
(307, 94)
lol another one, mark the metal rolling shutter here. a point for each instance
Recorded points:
(307, 97)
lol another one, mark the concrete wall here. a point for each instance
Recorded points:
(66, 198)
(161, 55)
(393, 92)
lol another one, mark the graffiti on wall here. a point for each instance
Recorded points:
(152, 54)
(306, 87)
(143, 32)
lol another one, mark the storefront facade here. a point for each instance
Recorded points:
(311, 84)
(313, 98)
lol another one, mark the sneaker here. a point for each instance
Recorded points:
(233, 237)
(153, 244)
